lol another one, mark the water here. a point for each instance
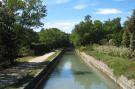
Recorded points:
(73, 73)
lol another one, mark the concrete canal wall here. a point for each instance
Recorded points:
(43, 75)
(122, 81)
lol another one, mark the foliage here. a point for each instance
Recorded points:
(53, 38)
(82, 48)
(90, 32)
(7, 35)
(28, 13)
(115, 51)
(126, 38)
(131, 27)
(86, 32)
(132, 42)
(17, 20)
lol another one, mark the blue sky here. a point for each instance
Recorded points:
(64, 14)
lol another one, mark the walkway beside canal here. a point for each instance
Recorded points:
(12, 74)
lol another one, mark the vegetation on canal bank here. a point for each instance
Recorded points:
(116, 58)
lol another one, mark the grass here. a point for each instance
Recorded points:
(25, 59)
(54, 55)
(121, 65)
(33, 72)
(115, 51)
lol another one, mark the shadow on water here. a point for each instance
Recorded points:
(81, 72)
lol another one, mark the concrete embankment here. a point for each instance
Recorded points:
(43, 75)
(122, 81)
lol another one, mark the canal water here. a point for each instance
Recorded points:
(73, 73)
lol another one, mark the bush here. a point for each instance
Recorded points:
(82, 48)
(119, 67)
(103, 41)
(112, 42)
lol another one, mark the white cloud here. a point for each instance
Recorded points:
(51, 2)
(65, 26)
(106, 11)
(80, 6)
(83, 6)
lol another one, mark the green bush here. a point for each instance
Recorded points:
(119, 67)
(82, 48)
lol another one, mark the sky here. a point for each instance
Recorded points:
(64, 14)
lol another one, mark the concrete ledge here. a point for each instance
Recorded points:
(122, 81)
(41, 78)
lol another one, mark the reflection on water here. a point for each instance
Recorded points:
(72, 73)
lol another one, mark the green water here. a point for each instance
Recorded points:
(73, 73)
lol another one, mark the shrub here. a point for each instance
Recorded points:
(112, 42)
(119, 67)
(82, 48)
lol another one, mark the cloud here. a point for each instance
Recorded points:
(51, 2)
(107, 11)
(80, 6)
(65, 26)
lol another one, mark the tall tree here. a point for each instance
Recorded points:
(28, 12)
(126, 38)
(7, 36)
(131, 27)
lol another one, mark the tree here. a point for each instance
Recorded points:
(7, 36)
(131, 27)
(17, 19)
(132, 42)
(99, 34)
(83, 32)
(53, 38)
(126, 38)
(28, 13)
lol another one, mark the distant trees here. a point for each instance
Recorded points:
(82, 33)
(53, 38)
(109, 32)
(89, 32)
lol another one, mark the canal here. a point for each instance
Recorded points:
(73, 73)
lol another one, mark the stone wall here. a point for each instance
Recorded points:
(122, 81)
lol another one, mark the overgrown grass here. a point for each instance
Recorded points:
(116, 58)
(115, 51)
